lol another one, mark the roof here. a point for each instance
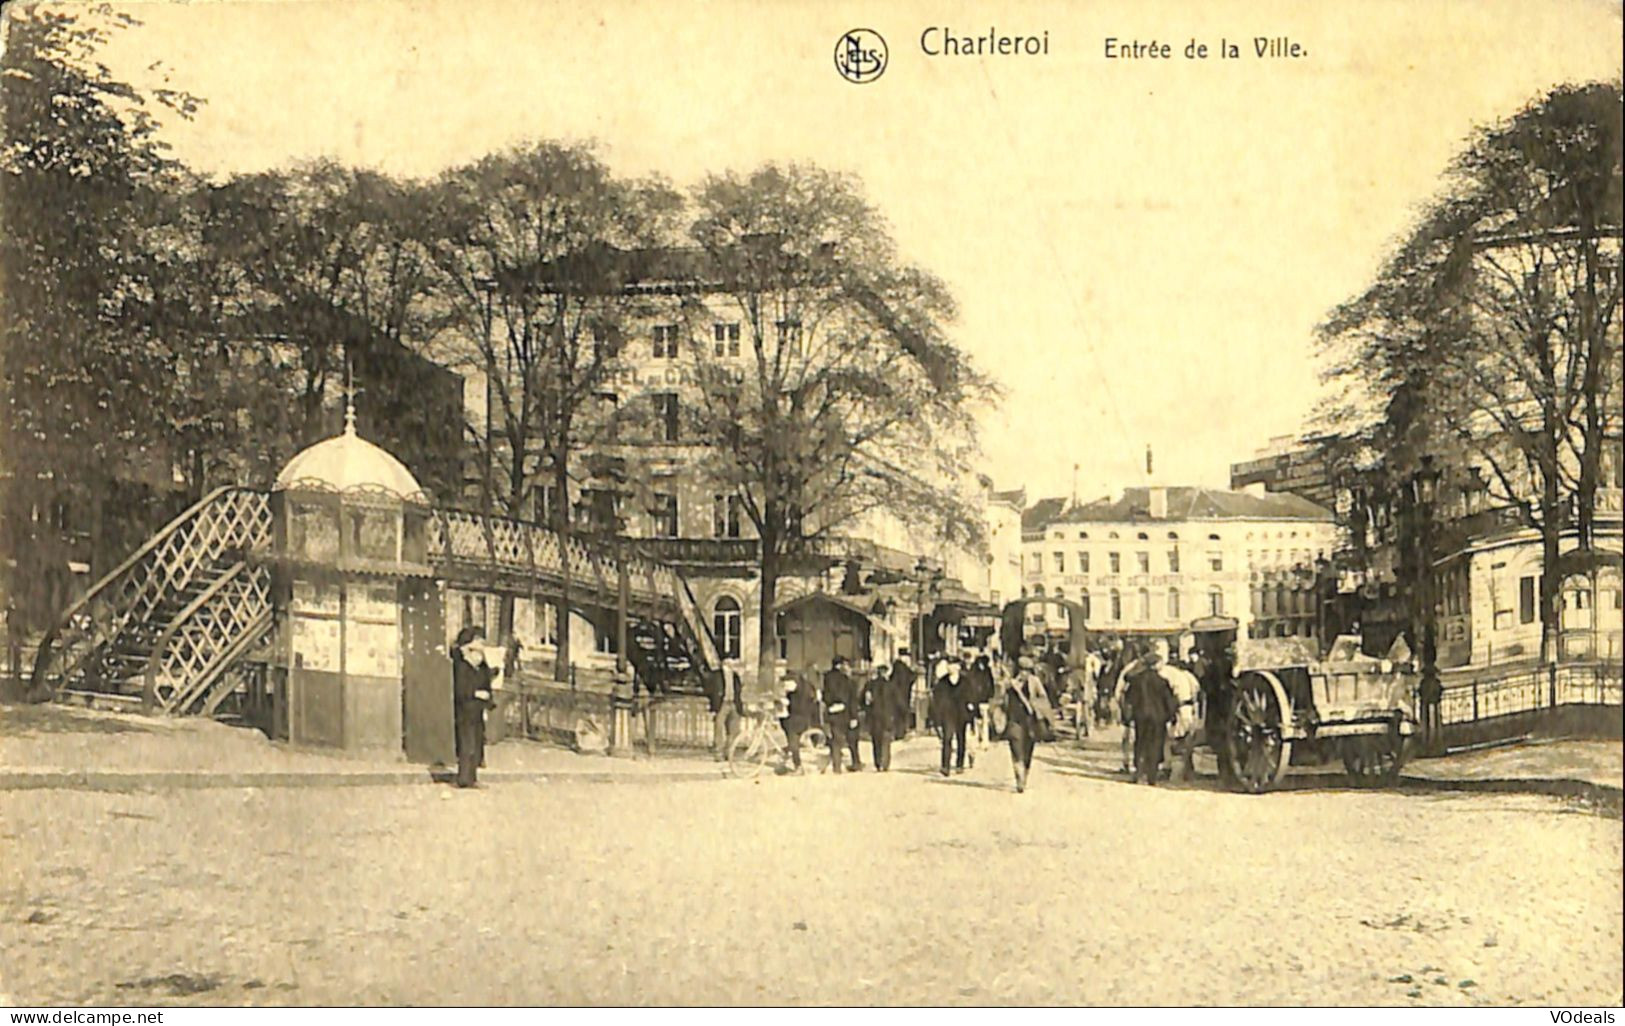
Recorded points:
(843, 601)
(1016, 497)
(1034, 517)
(1188, 503)
(348, 463)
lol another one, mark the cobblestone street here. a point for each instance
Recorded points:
(863, 889)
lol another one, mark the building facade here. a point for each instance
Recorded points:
(868, 588)
(1154, 559)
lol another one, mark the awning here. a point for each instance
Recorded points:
(856, 605)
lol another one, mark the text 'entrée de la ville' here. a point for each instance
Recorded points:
(1265, 47)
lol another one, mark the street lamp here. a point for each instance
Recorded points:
(1425, 485)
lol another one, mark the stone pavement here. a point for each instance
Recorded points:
(58, 746)
(868, 889)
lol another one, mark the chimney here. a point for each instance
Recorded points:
(1157, 497)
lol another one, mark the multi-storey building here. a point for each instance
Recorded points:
(1484, 574)
(867, 588)
(1156, 558)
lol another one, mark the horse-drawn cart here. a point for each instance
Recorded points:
(1270, 697)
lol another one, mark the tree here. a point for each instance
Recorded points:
(1494, 331)
(84, 328)
(851, 400)
(530, 246)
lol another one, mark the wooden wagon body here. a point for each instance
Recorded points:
(1266, 697)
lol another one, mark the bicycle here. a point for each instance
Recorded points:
(761, 740)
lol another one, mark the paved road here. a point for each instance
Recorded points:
(864, 889)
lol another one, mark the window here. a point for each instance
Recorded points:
(665, 341)
(1173, 603)
(1038, 562)
(1060, 562)
(667, 411)
(1215, 601)
(1142, 536)
(546, 503)
(1576, 604)
(1173, 561)
(605, 346)
(1144, 559)
(1083, 535)
(1215, 561)
(1117, 605)
(1116, 562)
(1173, 535)
(597, 510)
(663, 515)
(727, 339)
(1083, 600)
(727, 621)
(1526, 600)
(725, 516)
(789, 333)
(1143, 610)
(1083, 562)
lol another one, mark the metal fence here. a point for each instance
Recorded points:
(556, 712)
(1510, 700)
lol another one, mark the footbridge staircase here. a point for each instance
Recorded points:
(180, 624)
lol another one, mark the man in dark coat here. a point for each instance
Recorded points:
(841, 711)
(471, 696)
(801, 709)
(950, 712)
(1154, 707)
(880, 708)
(902, 692)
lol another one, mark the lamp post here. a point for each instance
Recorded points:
(1425, 483)
(611, 472)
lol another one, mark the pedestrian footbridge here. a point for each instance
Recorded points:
(193, 614)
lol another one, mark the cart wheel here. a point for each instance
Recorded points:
(746, 755)
(1374, 759)
(1258, 747)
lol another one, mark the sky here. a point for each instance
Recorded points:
(1140, 248)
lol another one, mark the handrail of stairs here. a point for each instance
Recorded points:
(156, 662)
(39, 682)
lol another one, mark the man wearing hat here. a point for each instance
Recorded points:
(841, 711)
(950, 712)
(471, 696)
(1154, 708)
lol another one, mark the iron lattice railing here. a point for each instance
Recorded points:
(462, 538)
(206, 638)
(173, 618)
(1528, 689)
(124, 610)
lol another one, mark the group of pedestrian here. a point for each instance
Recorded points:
(972, 700)
(845, 706)
(1158, 702)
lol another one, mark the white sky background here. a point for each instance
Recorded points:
(1141, 249)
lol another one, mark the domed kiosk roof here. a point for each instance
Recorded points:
(349, 463)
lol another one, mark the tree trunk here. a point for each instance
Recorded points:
(1596, 344)
(767, 635)
(1551, 576)
(561, 524)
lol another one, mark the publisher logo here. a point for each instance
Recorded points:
(860, 55)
